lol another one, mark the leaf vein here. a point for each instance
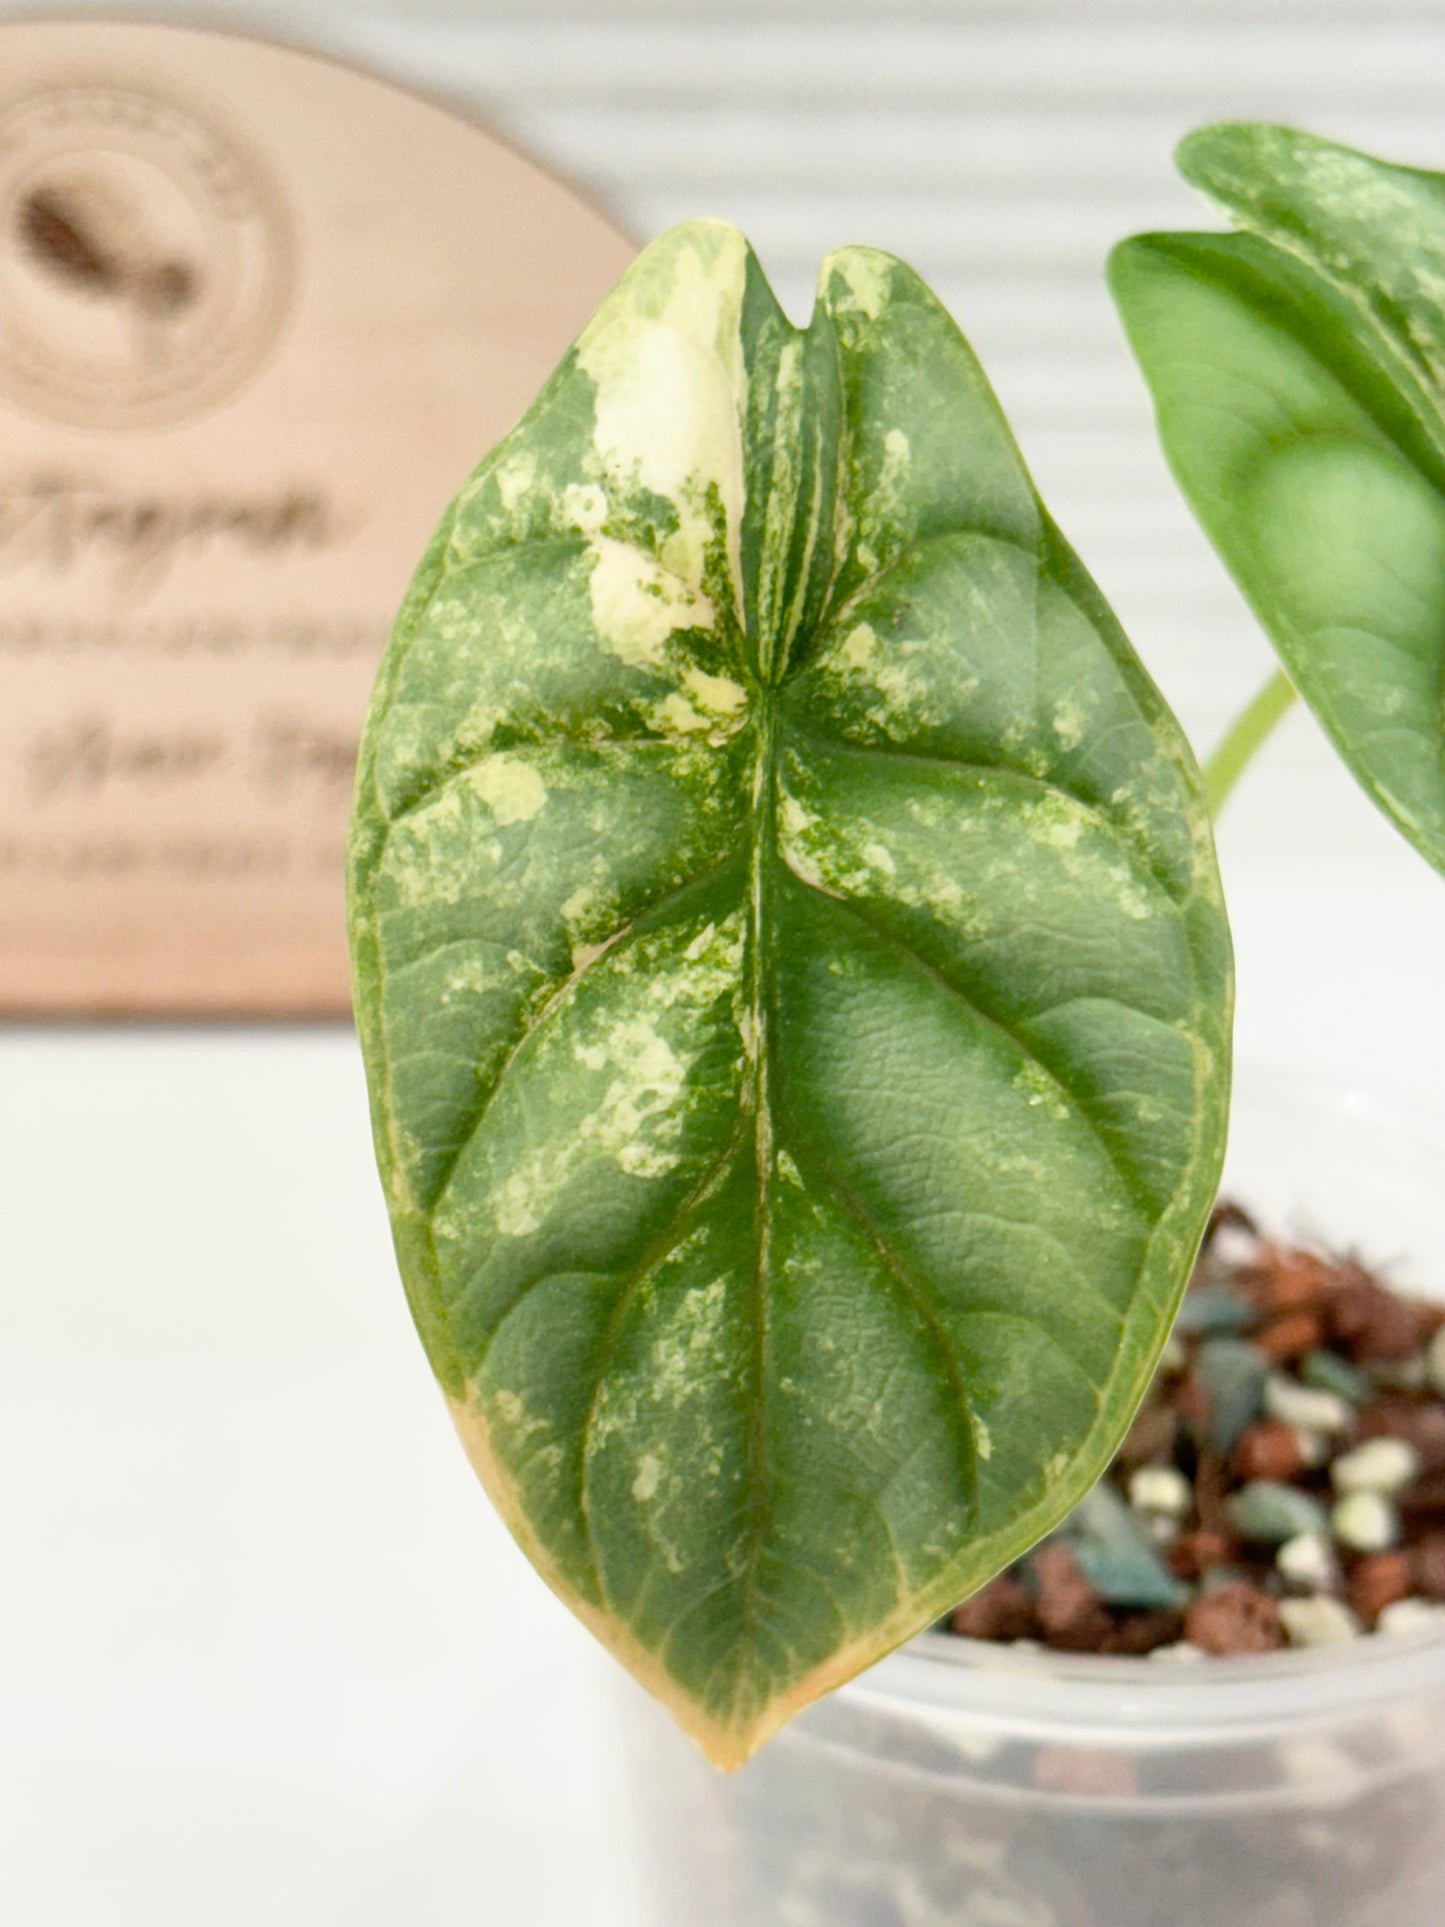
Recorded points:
(555, 1000)
(909, 1288)
(969, 1000)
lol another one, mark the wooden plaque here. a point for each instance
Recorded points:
(260, 313)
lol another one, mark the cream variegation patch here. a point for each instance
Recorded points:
(866, 274)
(665, 353)
(512, 790)
(637, 604)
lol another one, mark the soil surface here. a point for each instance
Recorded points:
(1282, 1485)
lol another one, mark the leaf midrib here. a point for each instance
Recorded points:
(763, 864)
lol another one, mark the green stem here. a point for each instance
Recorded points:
(1237, 747)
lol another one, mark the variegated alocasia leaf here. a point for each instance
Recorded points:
(1298, 370)
(793, 982)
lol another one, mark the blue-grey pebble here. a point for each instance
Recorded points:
(1269, 1513)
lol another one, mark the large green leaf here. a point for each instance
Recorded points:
(793, 982)
(1298, 370)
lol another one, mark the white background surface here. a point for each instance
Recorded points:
(264, 1653)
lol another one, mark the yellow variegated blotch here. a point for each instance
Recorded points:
(793, 983)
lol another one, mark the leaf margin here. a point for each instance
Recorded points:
(1171, 1244)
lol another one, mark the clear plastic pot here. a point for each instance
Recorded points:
(963, 1785)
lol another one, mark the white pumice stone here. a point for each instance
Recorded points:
(1181, 1650)
(1304, 1406)
(1160, 1488)
(1163, 1530)
(1435, 1363)
(1234, 1247)
(1365, 1522)
(1410, 1616)
(1314, 1447)
(1173, 1358)
(1318, 1621)
(1308, 1561)
(1379, 1465)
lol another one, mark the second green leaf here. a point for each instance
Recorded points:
(1298, 370)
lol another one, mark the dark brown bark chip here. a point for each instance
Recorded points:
(1427, 1566)
(1282, 1279)
(1193, 1553)
(1422, 1422)
(1152, 1435)
(1378, 1581)
(1423, 1503)
(1237, 1618)
(1372, 1323)
(1269, 1449)
(1071, 1614)
(1003, 1609)
(1191, 1402)
(1141, 1632)
(1290, 1337)
(1210, 1486)
(1229, 1216)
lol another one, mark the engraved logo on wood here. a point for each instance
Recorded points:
(260, 312)
(145, 258)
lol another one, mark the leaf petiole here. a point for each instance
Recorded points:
(1244, 737)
